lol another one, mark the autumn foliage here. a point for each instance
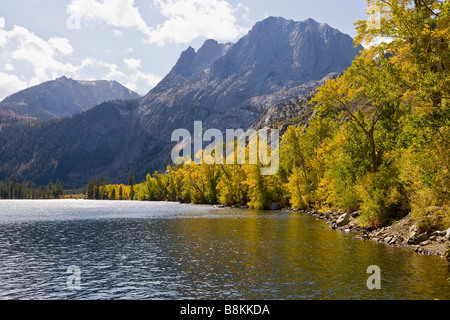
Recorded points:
(378, 143)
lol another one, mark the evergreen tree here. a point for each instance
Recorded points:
(90, 190)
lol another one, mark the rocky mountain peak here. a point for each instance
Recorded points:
(192, 62)
(63, 78)
(63, 97)
(182, 67)
(226, 86)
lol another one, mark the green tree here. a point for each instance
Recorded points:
(131, 183)
(120, 192)
(90, 190)
(58, 191)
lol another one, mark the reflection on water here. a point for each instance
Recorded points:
(137, 250)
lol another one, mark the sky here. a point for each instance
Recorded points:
(135, 42)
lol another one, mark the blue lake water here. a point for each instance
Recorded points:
(145, 250)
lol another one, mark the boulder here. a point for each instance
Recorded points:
(439, 233)
(422, 237)
(343, 220)
(411, 238)
(380, 233)
(356, 214)
(415, 238)
(424, 243)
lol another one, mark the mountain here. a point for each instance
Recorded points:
(292, 112)
(71, 149)
(277, 60)
(227, 86)
(63, 97)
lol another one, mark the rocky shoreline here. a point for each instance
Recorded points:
(403, 233)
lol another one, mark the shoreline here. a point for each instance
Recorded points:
(403, 233)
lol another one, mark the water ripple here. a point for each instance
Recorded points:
(139, 250)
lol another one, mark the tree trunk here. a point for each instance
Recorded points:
(373, 153)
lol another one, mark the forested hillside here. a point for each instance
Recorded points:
(226, 86)
(378, 142)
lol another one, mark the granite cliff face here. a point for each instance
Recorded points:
(293, 112)
(64, 97)
(230, 86)
(226, 86)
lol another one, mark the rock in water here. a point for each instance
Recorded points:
(343, 220)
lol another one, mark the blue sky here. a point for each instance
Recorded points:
(135, 42)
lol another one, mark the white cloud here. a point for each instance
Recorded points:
(10, 84)
(117, 13)
(377, 41)
(133, 64)
(9, 67)
(25, 55)
(62, 45)
(191, 19)
(43, 56)
(3, 39)
(117, 33)
(185, 20)
(138, 80)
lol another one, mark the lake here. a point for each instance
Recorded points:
(102, 250)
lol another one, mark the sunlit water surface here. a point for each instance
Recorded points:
(144, 250)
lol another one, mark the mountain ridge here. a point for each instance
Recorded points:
(64, 97)
(276, 61)
(226, 86)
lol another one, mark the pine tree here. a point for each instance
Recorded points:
(90, 190)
